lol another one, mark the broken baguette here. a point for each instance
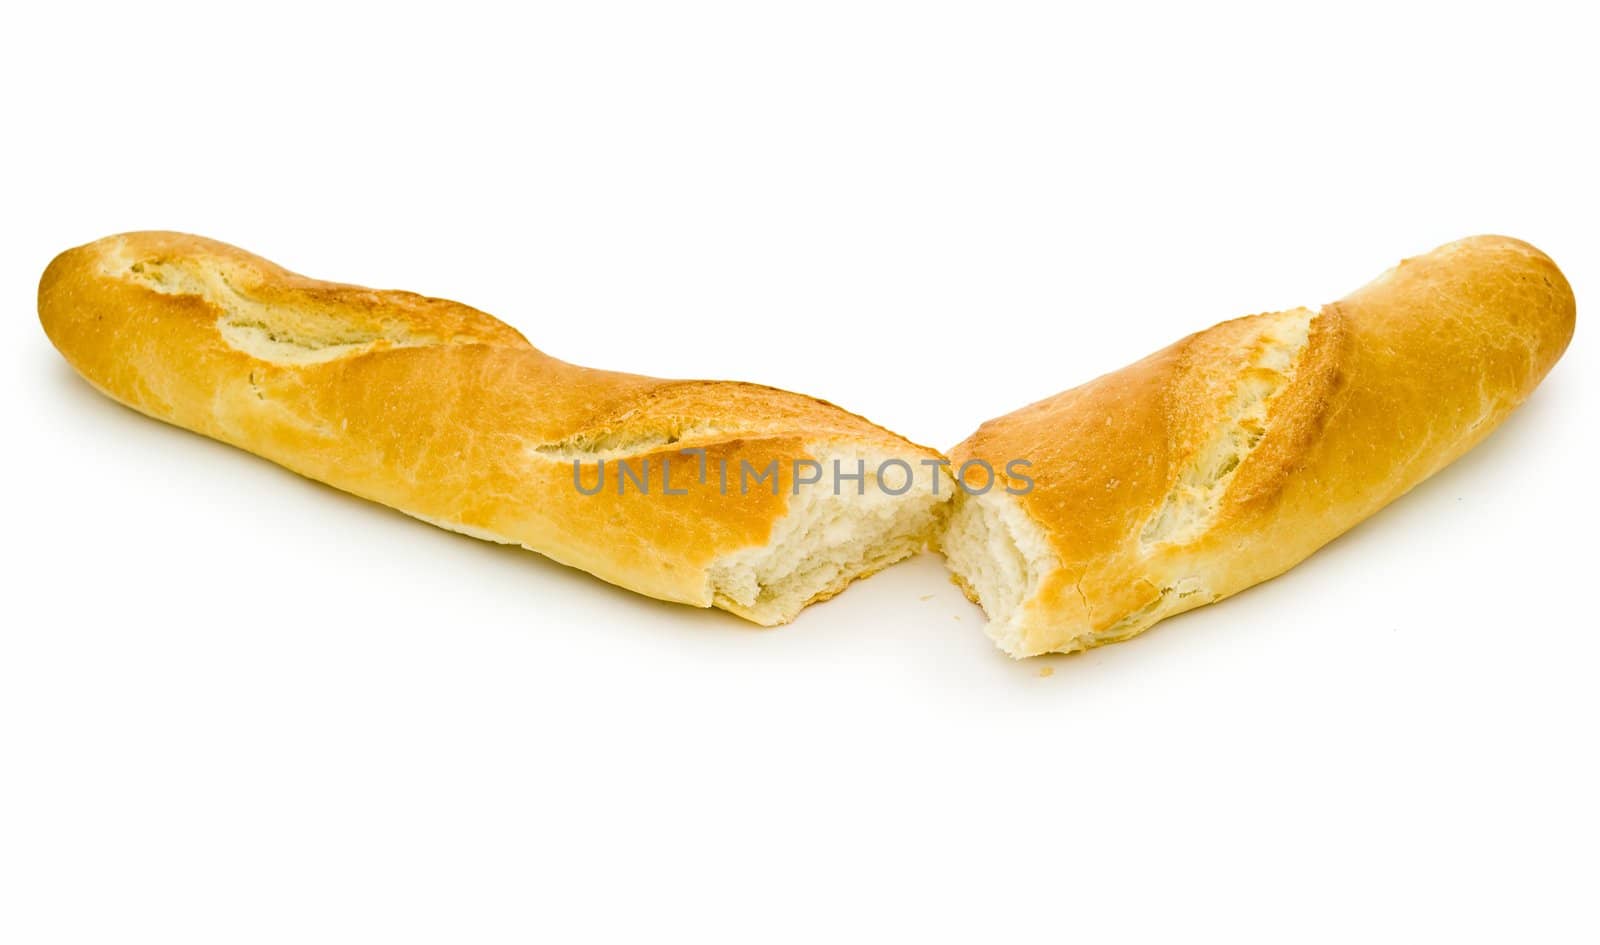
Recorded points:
(1229, 457)
(452, 417)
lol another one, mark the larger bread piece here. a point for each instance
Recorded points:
(1227, 458)
(451, 416)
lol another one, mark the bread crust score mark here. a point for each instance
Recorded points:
(1229, 457)
(451, 416)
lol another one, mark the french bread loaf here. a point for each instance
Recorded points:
(1229, 457)
(451, 416)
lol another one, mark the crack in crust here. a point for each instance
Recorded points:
(1270, 362)
(278, 334)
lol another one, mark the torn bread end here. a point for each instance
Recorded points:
(999, 556)
(830, 536)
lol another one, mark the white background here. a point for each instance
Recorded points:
(236, 706)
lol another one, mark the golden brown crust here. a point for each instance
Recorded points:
(1230, 456)
(433, 407)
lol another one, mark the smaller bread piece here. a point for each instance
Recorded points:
(1229, 457)
(452, 417)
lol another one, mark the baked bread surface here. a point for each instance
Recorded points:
(448, 414)
(1230, 456)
